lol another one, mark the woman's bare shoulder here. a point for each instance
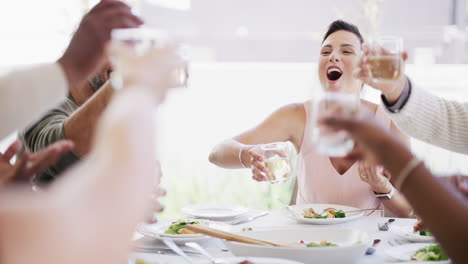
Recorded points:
(293, 110)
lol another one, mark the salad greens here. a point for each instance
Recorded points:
(429, 253)
(337, 214)
(340, 214)
(177, 226)
(323, 243)
(425, 233)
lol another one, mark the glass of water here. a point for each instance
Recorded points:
(139, 41)
(326, 140)
(277, 161)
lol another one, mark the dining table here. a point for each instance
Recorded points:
(155, 252)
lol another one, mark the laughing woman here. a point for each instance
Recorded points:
(321, 179)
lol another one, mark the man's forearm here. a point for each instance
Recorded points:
(80, 126)
(398, 205)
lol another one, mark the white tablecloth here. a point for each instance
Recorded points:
(278, 219)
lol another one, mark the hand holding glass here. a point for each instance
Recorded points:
(386, 62)
(131, 47)
(276, 161)
(327, 141)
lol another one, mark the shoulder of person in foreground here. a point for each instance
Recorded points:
(91, 198)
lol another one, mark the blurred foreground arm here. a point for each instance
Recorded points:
(90, 214)
(443, 209)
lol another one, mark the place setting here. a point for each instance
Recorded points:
(323, 214)
(227, 213)
(217, 216)
(414, 232)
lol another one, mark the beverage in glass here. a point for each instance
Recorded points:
(277, 161)
(328, 141)
(139, 41)
(386, 62)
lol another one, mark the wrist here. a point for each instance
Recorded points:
(244, 156)
(394, 94)
(68, 69)
(382, 188)
(385, 196)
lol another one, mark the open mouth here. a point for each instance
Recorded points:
(334, 73)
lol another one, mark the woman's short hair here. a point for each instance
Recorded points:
(338, 25)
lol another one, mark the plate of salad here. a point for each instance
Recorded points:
(418, 252)
(176, 230)
(414, 233)
(321, 214)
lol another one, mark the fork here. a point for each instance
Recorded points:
(384, 227)
(205, 253)
(172, 245)
(371, 249)
(248, 219)
(288, 207)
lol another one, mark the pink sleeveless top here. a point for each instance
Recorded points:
(319, 182)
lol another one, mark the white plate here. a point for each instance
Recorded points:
(257, 260)
(404, 253)
(352, 244)
(157, 230)
(406, 232)
(237, 260)
(299, 215)
(218, 212)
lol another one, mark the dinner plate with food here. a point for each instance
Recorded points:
(414, 233)
(216, 212)
(418, 252)
(323, 214)
(176, 230)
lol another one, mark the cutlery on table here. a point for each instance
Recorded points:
(371, 250)
(238, 238)
(169, 243)
(385, 227)
(205, 253)
(248, 219)
(161, 250)
(288, 207)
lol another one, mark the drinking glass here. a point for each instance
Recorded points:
(277, 161)
(386, 62)
(328, 141)
(139, 41)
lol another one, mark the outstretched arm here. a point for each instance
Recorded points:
(443, 209)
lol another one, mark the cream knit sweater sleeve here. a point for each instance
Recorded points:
(25, 94)
(434, 120)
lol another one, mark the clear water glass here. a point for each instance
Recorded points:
(277, 161)
(328, 141)
(140, 41)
